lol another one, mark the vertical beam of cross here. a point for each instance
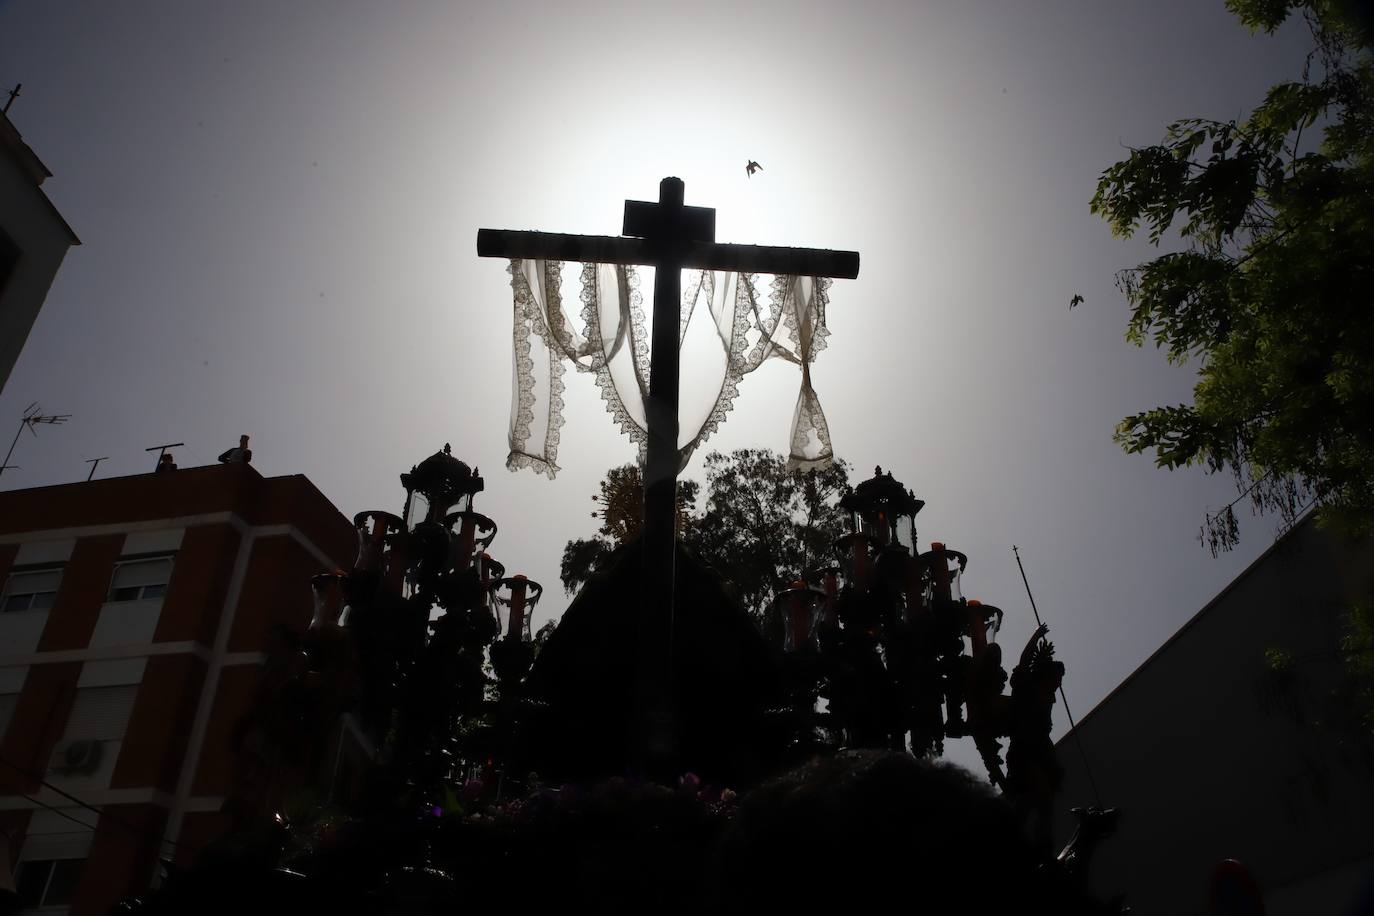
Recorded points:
(669, 236)
(667, 226)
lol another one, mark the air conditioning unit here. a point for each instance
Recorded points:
(71, 757)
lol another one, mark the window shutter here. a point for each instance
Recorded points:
(30, 582)
(52, 836)
(75, 844)
(101, 713)
(142, 572)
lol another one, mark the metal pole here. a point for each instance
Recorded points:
(6, 463)
(161, 449)
(94, 463)
(1034, 610)
(32, 416)
(658, 748)
(1073, 727)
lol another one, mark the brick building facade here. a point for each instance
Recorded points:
(136, 615)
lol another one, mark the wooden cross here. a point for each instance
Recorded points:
(670, 237)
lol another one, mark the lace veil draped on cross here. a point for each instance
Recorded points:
(608, 337)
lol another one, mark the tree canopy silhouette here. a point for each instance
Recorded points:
(621, 498)
(1271, 292)
(761, 525)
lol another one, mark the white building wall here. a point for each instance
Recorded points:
(126, 623)
(58, 550)
(21, 630)
(1211, 754)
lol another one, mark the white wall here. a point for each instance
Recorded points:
(126, 623)
(1211, 755)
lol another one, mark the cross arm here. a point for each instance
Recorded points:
(602, 249)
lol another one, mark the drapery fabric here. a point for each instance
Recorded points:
(605, 333)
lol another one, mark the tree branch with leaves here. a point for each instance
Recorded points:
(761, 526)
(1271, 295)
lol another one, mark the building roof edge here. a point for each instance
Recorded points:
(1306, 520)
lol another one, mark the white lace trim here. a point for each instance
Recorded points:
(522, 404)
(796, 304)
(735, 364)
(628, 288)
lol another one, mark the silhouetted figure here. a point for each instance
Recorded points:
(751, 167)
(165, 463)
(1033, 771)
(241, 455)
(989, 711)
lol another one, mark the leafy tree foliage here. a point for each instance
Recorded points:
(621, 499)
(1357, 647)
(1273, 293)
(765, 524)
(761, 525)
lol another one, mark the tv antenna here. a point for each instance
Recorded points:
(14, 94)
(161, 449)
(33, 415)
(95, 463)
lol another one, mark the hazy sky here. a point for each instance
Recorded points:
(279, 202)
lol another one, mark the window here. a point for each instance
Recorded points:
(31, 590)
(47, 882)
(139, 580)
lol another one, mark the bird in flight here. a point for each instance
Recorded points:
(1076, 300)
(751, 167)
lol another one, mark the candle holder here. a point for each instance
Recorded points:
(887, 641)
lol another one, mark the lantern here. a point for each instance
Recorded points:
(489, 571)
(883, 509)
(381, 538)
(827, 579)
(856, 560)
(515, 608)
(470, 534)
(945, 566)
(437, 486)
(984, 621)
(916, 590)
(327, 591)
(798, 609)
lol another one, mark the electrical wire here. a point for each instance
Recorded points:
(1073, 726)
(61, 812)
(114, 818)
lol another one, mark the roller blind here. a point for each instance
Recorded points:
(101, 713)
(53, 836)
(72, 844)
(143, 572)
(25, 590)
